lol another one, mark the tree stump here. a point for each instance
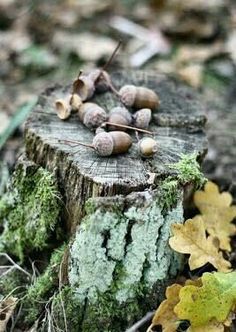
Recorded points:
(119, 257)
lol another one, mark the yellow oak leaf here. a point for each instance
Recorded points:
(217, 213)
(213, 301)
(190, 238)
(165, 315)
(212, 326)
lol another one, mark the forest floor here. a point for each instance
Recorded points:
(43, 43)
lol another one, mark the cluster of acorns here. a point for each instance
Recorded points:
(110, 136)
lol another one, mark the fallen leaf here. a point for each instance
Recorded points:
(165, 315)
(7, 306)
(214, 300)
(212, 326)
(217, 213)
(190, 238)
(88, 46)
(191, 74)
(190, 53)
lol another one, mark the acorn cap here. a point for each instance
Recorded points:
(119, 115)
(127, 95)
(142, 118)
(103, 144)
(75, 102)
(92, 115)
(63, 108)
(84, 87)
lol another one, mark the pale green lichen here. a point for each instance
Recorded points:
(116, 259)
(29, 211)
(90, 258)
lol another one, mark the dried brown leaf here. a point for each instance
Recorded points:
(165, 315)
(7, 306)
(217, 213)
(190, 238)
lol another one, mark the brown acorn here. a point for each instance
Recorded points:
(121, 116)
(147, 147)
(114, 142)
(139, 97)
(63, 108)
(106, 144)
(142, 118)
(92, 115)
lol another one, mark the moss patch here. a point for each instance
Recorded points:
(29, 211)
(39, 293)
(186, 171)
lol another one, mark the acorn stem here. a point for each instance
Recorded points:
(76, 143)
(107, 64)
(127, 127)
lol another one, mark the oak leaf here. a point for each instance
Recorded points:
(214, 300)
(190, 238)
(217, 213)
(212, 326)
(165, 315)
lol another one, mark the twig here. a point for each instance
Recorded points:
(127, 127)
(14, 264)
(141, 322)
(76, 143)
(107, 64)
(61, 300)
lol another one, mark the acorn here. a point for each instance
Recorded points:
(106, 144)
(92, 115)
(75, 102)
(139, 97)
(121, 116)
(147, 147)
(142, 118)
(114, 142)
(63, 107)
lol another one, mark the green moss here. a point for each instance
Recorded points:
(39, 293)
(188, 171)
(15, 283)
(29, 211)
(169, 193)
(73, 310)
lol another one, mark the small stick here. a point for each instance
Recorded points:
(107, 64)
(76, 143)
(141, 322)
(127, 127)
(111, 86)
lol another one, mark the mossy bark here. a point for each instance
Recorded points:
(120, 254)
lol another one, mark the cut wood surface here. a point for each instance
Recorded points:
(177, 127)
